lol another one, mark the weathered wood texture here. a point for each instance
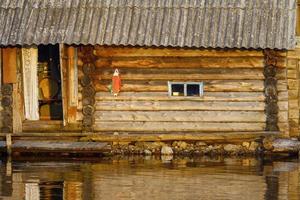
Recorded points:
(55, 146)
(233, 90)
(87, 90)
(70, 83)
(270, 88)
(9, 68)
(1, 108)
(293, 59)
(50, 126)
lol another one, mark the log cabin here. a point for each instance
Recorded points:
(189, 70)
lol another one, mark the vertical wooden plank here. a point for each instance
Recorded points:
(69, 74)
(17, 96)
(64, 82)
(0, 74)
(9, 65)
(72, 84)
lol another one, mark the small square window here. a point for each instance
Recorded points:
(190, 89)
(193, 90)
(177, 90)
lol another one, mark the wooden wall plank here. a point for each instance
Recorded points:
(9, 56)
(163, 96)
(182, 74)
(209, 86)
(181, 116)
(171, 52)
(72, 84)
(177, 126)
(185, 62)
(179, 105)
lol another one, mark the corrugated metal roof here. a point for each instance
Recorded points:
(177, 23)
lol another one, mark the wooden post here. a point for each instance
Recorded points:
(293, 78)
(69, 77)
(88, 92)
(9, 65)
(72, 84)
(271, 108)
(9, 56)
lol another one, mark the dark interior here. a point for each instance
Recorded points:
(50, 98)
(177, 88)
(193, 90)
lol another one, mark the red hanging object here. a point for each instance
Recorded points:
(116, 83)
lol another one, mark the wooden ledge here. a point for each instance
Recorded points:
(54, 146)
(210, 137)
(205, 137)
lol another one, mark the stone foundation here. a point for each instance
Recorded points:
(186, 148)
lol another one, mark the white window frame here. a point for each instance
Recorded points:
(201, 88)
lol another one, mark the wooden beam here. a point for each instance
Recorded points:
(176, 126)
(163, 96)
(180, 116)
(154, 62)
(72, 84)
(56, 146)
(178, 105)
(142, 136)
(9, 56)
(209, 86)
(211, 137)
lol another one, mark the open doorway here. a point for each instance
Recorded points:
(49, 83)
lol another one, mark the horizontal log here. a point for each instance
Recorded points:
(182, 74)
(283, 116)
(283, 96)
(286, 145)
(142, 136)
(186, 74)
(163, 96)
(283, 127)
(171, 52)
(209, 86)
(58, 146)
(180, 116)
(49, 126)
(178, 105)
(283, 105)
(181, 62)
(177, 126)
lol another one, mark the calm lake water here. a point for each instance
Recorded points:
(150, 178)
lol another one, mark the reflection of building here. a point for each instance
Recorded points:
(225, 179)
(72, 190)
(32, 191)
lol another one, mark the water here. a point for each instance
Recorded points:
(150, 178)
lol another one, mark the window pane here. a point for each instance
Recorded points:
(193, 90)
(177, 89)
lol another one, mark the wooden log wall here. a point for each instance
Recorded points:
(271, 94)
(1, 108)
(233, 99)
(7, 105)
(293, 60)
(87, 90)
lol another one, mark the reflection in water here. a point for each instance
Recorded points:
(151, 178)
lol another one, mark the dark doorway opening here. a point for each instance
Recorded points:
(49, 78)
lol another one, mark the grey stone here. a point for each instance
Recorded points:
(147, 152)
(232, 148)
(182, 145)
(201, 144)
(166, 150)
(246, 144)
(253, 146)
